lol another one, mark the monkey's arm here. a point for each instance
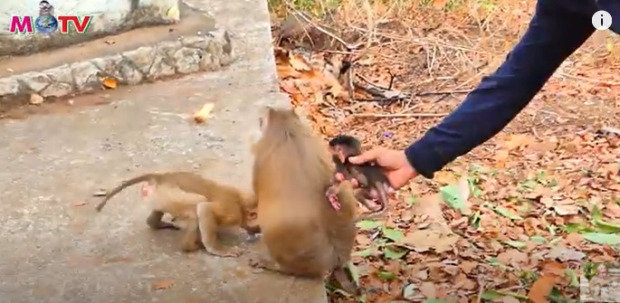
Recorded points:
(557, 29)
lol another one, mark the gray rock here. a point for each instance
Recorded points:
(129, 74)
(160, 68)
(169, 48)
(196, 42)
(9, 86)
(57, 89)
(142, 58)
(35, 82)
(208, 62)
(60, 74)
(86, 76)
(109, 65)
(187, 60)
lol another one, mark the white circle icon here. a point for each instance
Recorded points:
(601, 20)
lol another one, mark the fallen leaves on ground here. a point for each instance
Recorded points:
(204, 113)
(514, 218)
(163, 284)
(109, 83)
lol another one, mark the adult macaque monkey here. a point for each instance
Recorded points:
(373, 183)
(204, 204)
(303, 233)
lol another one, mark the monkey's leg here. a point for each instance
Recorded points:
(189, 242)
(345, 281)
(208, 232)
(155, 222)
(364, 196)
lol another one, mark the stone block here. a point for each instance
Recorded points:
(186, 60)
(60, 74)
(35, 81)
(142, 58)
(9, 87)
(86, 76)
(57, 89)
(129, 74)
(109, 65)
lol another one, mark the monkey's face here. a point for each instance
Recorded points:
(340, 151)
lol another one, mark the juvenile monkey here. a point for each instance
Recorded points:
(372, 181)
(303, 234)
(203, 203)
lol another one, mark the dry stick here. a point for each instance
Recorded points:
(461, 85)
(611, 129)
(417, 115)
(588, 79)
(480, 291)
(456, 91)
(320, 28)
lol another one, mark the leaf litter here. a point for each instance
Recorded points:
(513, 219)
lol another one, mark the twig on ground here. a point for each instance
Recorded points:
(574, 77)
(320, 28)
(417, 115)
(480, 291)
(611, 129)
(456, 91)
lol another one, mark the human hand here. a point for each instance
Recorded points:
(393, 163)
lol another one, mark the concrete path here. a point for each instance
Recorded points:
(54, 249)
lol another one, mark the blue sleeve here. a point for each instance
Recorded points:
(553, 34)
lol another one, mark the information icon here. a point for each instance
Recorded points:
(601, 20)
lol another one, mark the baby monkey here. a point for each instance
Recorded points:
(203, 203)
(372, 182)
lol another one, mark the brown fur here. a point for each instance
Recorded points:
(304, 235)
(203, 203)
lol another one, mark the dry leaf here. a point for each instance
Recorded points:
(109, 82)
(510, 299)
(574, 239)
(164, 284)
(463, 282)
(79, 203)
(298, 63)
(445, 177)
(500, 158)
(541, 289)
(553, 269)
(438, 237)
(513, 257)
(468, 266)
(565, 254)
(517, 140)
(36, 99)
(440, 4)
(428, 289)
(204, 113)
(363, 239)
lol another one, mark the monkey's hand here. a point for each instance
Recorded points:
(332, 196)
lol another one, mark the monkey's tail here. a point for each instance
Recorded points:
(130, 182)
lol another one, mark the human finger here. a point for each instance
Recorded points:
(366, 156)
